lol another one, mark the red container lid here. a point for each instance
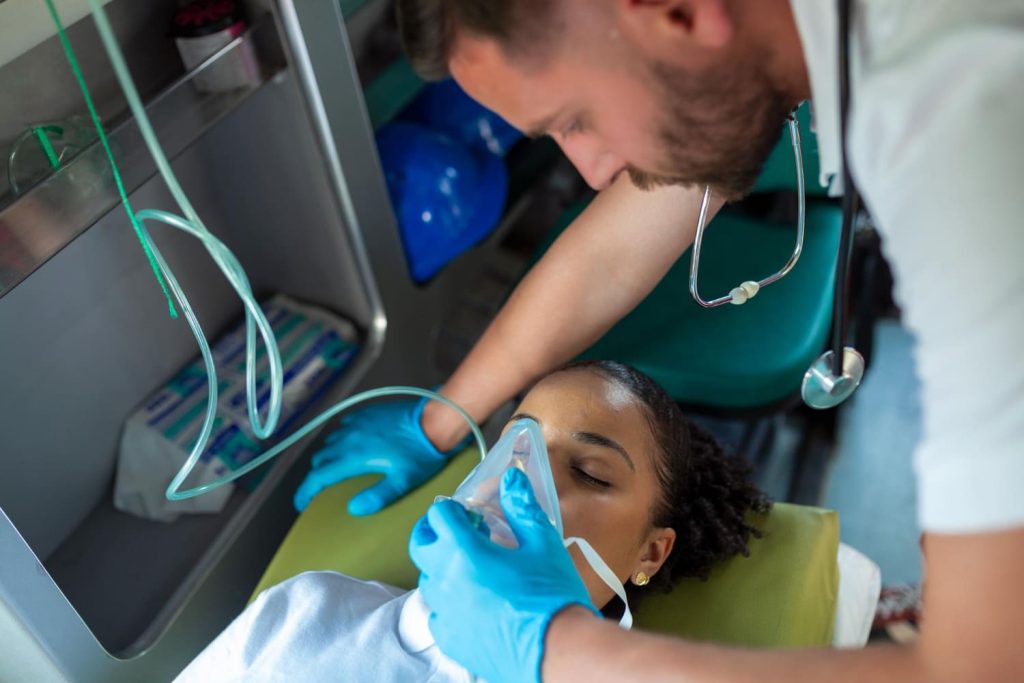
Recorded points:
(203, 17)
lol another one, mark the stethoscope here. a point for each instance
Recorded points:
(836, 374)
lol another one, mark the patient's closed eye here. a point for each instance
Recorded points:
(588, 478)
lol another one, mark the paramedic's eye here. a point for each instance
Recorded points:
(575, 126)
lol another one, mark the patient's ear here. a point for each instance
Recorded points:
(655, 551)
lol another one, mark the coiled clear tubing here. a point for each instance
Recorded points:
(255, 319)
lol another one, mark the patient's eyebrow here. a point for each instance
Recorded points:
(600, 440)
(586, 437)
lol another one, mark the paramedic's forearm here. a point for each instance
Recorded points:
(576, 638)
(600, 268)
(972, 621)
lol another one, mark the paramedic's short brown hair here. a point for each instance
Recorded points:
(523, 28)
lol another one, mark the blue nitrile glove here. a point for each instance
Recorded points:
(379, 439)
(491, 605)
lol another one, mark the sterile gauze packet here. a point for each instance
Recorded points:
(521, 446)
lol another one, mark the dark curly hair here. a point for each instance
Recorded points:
(706, 495)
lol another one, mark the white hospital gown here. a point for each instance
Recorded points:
(325, 626)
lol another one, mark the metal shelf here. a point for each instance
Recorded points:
(44, 219)
(304, 207)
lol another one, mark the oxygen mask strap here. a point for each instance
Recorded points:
(605, 574)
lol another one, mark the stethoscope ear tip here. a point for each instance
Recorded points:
(822, 389)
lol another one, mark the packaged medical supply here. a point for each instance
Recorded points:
(446, 108)
(446, 196)
(157, 438)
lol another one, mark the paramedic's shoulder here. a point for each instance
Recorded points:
(937, 149)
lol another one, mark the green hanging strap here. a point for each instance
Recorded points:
(110, 156)
(44, 141)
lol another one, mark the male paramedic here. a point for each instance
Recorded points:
(651, 99)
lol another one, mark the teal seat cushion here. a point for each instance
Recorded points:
(779, 170)
(737, 357)
(783, 595)
(733, 357)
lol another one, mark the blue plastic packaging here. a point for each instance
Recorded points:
(445, 107)
(446, 196)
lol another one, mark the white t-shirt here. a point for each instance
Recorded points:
(937, 150)
(325, 626)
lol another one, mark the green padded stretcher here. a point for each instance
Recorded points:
(783, 595)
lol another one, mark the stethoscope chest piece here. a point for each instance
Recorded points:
(822, 389)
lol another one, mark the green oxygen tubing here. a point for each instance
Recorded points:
(255, 320)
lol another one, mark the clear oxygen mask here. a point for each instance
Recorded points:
(521, 447)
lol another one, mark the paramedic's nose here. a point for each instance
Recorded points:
(598, 166)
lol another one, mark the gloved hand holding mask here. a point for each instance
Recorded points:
(379, 439)
(500, 553)
(521, 447)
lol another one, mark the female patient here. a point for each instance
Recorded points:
(652, 493)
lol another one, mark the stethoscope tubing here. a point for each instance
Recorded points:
(850, 203)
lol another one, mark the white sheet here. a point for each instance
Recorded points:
(325, 626)
(860, 583)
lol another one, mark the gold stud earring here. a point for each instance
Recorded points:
(641, 579)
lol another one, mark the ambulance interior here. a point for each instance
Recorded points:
(288, 170)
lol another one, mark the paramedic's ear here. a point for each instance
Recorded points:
(669, 31)
(655, 550)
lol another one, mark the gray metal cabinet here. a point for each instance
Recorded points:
(287, 175)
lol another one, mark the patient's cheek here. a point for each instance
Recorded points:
(569, 517)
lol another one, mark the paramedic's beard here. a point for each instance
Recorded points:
(719, 129)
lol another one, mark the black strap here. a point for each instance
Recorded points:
(851, 200)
